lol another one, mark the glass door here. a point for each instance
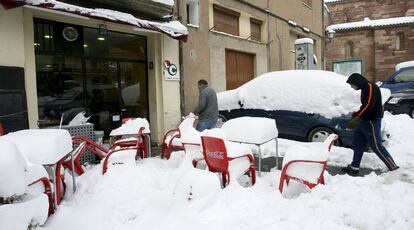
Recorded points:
(103, 96)
(134, 94)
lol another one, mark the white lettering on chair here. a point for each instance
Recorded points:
(216, 155)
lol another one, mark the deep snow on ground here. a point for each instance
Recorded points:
(160, 194)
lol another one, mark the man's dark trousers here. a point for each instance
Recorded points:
(369, 132)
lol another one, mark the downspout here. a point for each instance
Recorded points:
(181, 66)
(280, 51)
(268, 37)
(373, 56)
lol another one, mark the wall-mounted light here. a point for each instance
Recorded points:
(331, 33)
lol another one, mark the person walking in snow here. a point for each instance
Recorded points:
(207, 109)
(367, 124)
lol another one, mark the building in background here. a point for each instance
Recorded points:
(371, 36)
(98, 56)
(232, 41)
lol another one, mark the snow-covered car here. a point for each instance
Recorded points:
(402, 78)
(401, 102)
(307, 105)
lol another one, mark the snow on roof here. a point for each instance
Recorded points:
(310, 91)
(174, 28)
(404, 65)
(303, 41)
(166, 2)
(332, 1)
(366, 23)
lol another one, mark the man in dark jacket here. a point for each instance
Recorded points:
(207, 109)
(367, 121)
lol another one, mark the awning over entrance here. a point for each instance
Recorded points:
(174, 29)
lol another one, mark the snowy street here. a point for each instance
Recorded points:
(147, 195)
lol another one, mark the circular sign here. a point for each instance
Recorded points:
(172, 69)
(70, 33)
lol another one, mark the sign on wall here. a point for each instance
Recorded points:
(171, 71)
(347, 67)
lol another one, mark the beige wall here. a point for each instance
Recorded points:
(204, 53)
(16, 49)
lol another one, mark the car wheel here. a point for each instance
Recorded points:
(220, 121)
(319, 134)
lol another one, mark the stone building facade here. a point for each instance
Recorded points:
(377, 34)
(260, 39)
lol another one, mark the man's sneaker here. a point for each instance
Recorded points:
(350, 170)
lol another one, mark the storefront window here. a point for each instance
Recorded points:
(78, 69)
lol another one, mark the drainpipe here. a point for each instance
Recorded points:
(268, 37)
(181, 66)
(373, 56)
(280, 51)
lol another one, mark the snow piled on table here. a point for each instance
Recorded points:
(132, 126)
(250, 129)
(310, 91)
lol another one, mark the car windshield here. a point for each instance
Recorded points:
(405, 76)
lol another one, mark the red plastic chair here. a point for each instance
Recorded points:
(139, 146)
(215, 155)
(1, 130)
(168, 146)
(48, 191)
(285, 175)
(84, 144)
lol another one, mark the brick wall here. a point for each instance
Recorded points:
(357, 10)
(365, 41)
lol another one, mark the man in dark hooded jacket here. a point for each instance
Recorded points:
(367, 121)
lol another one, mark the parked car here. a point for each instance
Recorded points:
(402, 78)
(401, 102)
(308, 105)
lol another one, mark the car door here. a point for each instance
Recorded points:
(294, 124)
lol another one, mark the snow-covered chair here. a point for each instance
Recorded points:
(119, 148)
(25, 190)
(306, 163)
(130, 135)
(83, 144)
(173, 138)
(229, 166)
(46, 147)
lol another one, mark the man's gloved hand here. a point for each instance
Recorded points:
(353, 123)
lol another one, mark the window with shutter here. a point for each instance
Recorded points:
(226, 20)
(255, 29)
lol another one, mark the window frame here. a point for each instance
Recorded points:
(259, 23)
(228, 12)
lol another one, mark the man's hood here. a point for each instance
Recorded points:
(358, 80)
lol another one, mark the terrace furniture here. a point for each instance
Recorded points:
(170, 140)
(306, 165)
(218, 161)
(47, 147)
(253, 130)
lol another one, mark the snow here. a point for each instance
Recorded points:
(250, 129)
(367, 23)
(321, 92)
(42, 146)
(166, 2)
(307, 171)
(303, 41)
(174, 28)
(404, 65)
(131, 127)
(158, 194)
(12, 170)
(19, 216)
